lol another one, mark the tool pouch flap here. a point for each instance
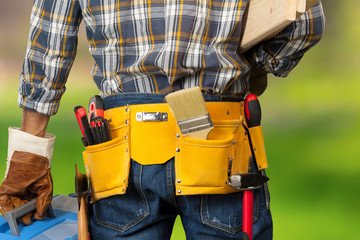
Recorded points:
(107, 165)
(258, 146)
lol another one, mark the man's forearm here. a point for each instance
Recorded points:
(34, 123)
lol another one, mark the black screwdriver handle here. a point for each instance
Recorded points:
(252, 110)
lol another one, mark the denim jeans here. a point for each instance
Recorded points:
(149, 208)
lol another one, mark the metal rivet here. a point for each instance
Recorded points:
(178, 150)
(177, 135)
(127, 150)
(127, 109)
(245, 133)
(126, 121)
(227, 112)
(179, 191)
(125, 137)
(233, 142)
(226, 183)
(178, 181)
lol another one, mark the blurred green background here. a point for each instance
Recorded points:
(311, 123)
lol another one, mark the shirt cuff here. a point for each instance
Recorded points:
(39, 98)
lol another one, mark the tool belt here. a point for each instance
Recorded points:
(149, 134)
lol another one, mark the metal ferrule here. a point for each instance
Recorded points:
(195, 124)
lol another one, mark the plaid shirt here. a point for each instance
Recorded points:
(153, 46)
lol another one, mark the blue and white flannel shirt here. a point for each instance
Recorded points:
(153, 46)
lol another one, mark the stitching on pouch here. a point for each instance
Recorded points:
(208, 146)
(105, 148)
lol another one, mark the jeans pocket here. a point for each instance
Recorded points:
(225, 211)
(122, 212)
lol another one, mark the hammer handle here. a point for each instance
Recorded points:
(83, 233)
(248, 205)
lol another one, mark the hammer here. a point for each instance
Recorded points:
(253, 118)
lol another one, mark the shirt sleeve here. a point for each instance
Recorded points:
(49, 55)
(282, 53)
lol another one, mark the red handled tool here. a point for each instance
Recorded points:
(81, 117)
(99, 126)
(253, 118)
(96, 107)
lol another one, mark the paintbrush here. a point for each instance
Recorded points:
(189, 109)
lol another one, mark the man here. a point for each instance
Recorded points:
(142, 51)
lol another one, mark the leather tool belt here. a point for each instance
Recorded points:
(149, 134)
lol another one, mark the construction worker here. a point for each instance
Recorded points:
(144, 50)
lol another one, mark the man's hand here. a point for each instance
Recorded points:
(257, 81)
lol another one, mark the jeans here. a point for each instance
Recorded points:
(149, 208)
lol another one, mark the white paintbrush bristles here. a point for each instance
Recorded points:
(189, 109)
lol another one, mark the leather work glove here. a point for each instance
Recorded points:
(28, 174)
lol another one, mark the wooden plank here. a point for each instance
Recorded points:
(304, 5)
(265, 18)
(301, 7)
(276, 14)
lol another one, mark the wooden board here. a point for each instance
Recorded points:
(301, 7)
(265, 18)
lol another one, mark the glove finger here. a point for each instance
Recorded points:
(44, 190)
(6, 204)
(17, 202)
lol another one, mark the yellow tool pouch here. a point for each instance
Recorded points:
(201, 166)
(107, 165)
